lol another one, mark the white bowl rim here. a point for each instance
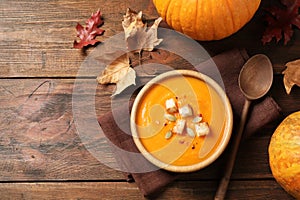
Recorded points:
(227, 129)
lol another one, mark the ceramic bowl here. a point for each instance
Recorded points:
(154, 133)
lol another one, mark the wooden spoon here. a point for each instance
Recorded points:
(255, 80)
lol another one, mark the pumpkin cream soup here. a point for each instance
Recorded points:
(180, 120)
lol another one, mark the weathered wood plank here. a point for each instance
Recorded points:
(267, 189)
(39, 139)
(38, 136)
(44, 155)
(36, 37)
(69, 190)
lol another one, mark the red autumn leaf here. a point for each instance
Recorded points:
(87, 35)
(280, 21)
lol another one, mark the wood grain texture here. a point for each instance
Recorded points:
(119, 190)
(39, 139)
(43, 152)
(36, 37)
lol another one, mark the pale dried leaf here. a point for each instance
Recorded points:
(137, 35)
(132, 18)
(291, 75)
(126, 81)
(115, 71)
(151, 40)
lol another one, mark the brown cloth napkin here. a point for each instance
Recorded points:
(229, 65)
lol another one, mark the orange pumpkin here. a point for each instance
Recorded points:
(207, 19)
(284, 154)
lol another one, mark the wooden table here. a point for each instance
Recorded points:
(41, 154)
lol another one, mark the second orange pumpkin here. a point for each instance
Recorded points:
(207, 19)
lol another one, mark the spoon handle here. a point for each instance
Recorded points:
(222, 189)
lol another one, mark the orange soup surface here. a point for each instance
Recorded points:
(156, 131)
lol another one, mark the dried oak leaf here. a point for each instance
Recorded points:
(280, 21)
(119, 72)
(137, 35)
(126, 81)
(291, 75)
(115, 71)
(87, 35)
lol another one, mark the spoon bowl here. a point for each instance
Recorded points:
(256, 77)
(255, 80)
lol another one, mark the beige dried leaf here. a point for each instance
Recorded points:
(291, 75)
(114, 72)
(131, 19)
(137, 35)
(126, 81)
